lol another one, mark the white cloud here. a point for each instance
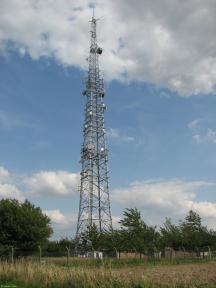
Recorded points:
(10, 191)
(197, 138)
(115, 221)
(201, 133)
(211, 135)
(208, 135)
(171, 44)
(116, 134)
(8, 188)
(4, 174)
(60, 183)
(57, 217)
(194, 124)
(158, 199)
(64, 224)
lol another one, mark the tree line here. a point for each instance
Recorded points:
(24, 226)
(135, 235)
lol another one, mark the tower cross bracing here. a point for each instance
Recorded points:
(94, 206)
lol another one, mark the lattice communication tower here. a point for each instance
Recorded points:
(94, 207)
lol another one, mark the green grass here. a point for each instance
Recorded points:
(115, 264)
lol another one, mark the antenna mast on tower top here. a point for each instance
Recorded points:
(94, 207)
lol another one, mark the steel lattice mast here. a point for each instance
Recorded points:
(94, 207)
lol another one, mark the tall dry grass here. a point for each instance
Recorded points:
(32, 274)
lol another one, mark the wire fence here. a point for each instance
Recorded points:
(67, 256)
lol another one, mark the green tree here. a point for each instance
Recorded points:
(171, 235)
(57, 248)
(136, 233)
(195, 236)
(112, 241)
(23, 225)
(211, 239)
(90, 239)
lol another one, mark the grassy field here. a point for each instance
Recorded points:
(104, 274)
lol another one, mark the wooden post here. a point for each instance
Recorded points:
(12, 254)
(210, 253)
(117, 253)
(68, 254)
(154, 255)
(40, 253)
(183, 251)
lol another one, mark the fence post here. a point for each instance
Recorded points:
(210, 253)
(198, 253)
(40, 253)
(171, 254)
(12, 254)
(68, 254)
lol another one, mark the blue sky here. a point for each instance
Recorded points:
(161, 128)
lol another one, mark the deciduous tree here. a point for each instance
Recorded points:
(23, 225)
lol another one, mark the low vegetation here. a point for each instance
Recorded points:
(30, 274)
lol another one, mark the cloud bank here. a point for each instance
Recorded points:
(60, 183)
(167, 43)
(43, 183)
(158, 199)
